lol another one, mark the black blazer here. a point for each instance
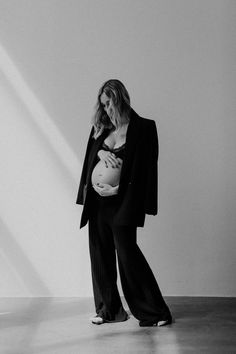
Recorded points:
(138, 180)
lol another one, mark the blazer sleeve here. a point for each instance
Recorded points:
(151, 195)
(82, 184)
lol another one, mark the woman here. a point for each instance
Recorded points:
(118, 187)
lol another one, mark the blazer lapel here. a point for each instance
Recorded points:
(131, 141)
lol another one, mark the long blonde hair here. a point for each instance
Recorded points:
(119, 95)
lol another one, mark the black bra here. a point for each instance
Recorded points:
(119, 151)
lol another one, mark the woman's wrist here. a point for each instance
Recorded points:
(115, 190)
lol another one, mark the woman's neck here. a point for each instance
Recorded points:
(120, 127)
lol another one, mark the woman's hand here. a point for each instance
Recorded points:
(109, 158)
(105, 190)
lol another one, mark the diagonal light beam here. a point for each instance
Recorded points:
(41, 118)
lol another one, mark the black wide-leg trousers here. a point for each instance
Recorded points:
(139, 285)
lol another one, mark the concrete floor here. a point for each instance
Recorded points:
(61, 326)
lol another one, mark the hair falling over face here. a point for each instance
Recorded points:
(112, 107)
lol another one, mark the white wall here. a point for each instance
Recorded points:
(177, 60)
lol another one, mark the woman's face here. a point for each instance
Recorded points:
(108, 106)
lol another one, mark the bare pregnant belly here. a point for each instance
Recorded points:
(103, 174)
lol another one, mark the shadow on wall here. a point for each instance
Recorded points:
(38, 181)
(20, 264)
(39, 117)
(22, 273)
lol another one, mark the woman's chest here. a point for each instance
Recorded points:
(116, 138)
